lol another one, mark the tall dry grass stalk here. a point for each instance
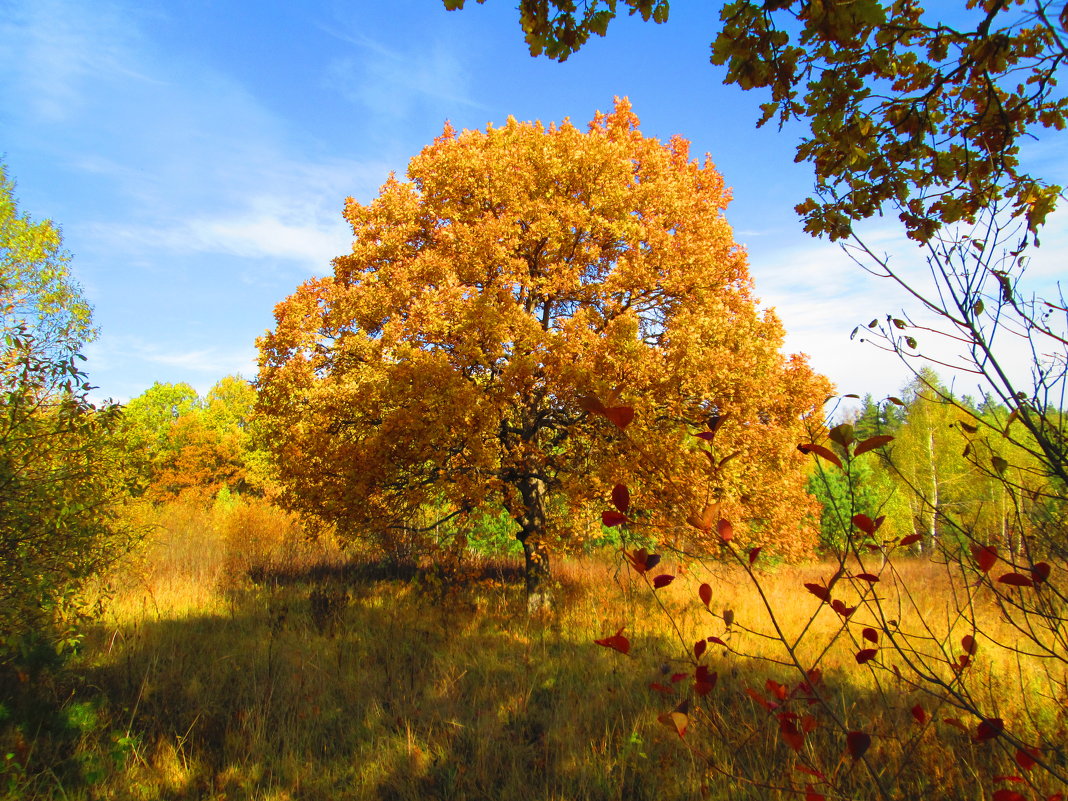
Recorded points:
(349, 682)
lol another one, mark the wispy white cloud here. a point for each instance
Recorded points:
(201, 367)
(822, 295)
(53, 49)
(392, 83)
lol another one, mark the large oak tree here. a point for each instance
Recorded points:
(519, 278)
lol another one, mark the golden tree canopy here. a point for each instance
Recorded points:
(517, 272)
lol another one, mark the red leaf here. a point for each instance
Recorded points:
(910, 540)
(1015, 779)
(617, 642)
(704, 681)
(755, 552)
(871, 443)
(660, 688)
(725, 530)
(985, 556)
(621, 498)
(699, 648)
(717, 641)
(866, 655)
(662, 580)
(919, 713)
(641, 560)
(612, 519)
(677, 677)
(619, 416)
(969, 644)
(704, 592)
(809, 724)
(591, 404)
(819, 450)
(989, 729)
(1007, 794)
(1025, 759)
(871, 635)
(1055, 797)
(865, 524)
(842, 609)
(819, 591)
(867, 577)
(1040, 571)
(760, 699)
(708, 436)
(955, 722)
(857, 743)
(810, 772)
(780, 691)
(812, 795)
(791, 735)
(1016, 580)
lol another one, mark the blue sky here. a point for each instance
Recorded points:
(197, 155)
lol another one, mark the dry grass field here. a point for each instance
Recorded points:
(330, 679)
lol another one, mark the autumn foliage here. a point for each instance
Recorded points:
(524, 294)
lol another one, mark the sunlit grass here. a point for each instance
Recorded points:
(352, 683)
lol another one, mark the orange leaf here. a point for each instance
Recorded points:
(617, 642)
(703, 521)
(819, 450)
(780, 691)
(872, 442)
(760, 699)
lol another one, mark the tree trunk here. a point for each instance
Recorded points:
(537, 567)
(532, 536)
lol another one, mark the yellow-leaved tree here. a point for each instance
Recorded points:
(521, 279)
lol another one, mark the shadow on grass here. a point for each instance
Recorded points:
(407, 691)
